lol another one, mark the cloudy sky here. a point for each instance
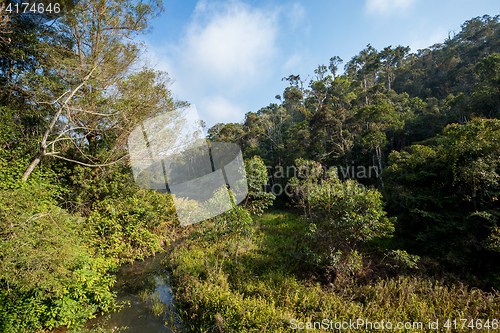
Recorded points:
(228, 57)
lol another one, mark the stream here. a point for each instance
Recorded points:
(145, 285)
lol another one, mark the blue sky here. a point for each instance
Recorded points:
(228, 57)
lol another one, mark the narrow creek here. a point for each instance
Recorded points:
(145, 285)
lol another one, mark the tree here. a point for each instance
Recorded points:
(391, 58)
(445, 194)
(486, 96)
(363, 67)
(230, 132)
(295, 81)
(346, 211)
(294, 104)
(319, 90)
(388, 58)
(334, 65)
(375, 121)
(97, 102)
(257, 199)
(23, 60)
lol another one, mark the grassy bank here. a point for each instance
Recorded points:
(267, 286)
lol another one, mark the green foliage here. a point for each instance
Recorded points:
(444, 190)
(262, 293)
(492, 243)
(13, 162)
(347, 211)
(122, 220)
(132, 228)
(445, 195)
(448, 67)
(225, 132)
(48, 277)
(257, 199)
(386, 101)
(235, 223)
(404, 259)
(124, 229)
(55, 265)
(344, 264)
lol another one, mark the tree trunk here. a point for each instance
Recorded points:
(43, 143)
(366, 94)
(32, 167)
(379, 157)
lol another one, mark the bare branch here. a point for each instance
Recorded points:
(58, 114)
(43, 143)
(66, 131)
(95, 113)
(65, 138)
(91, 165)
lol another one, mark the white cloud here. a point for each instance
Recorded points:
(296, 15)
(229, 43)
(438, 36)
(292, 62)
(227, 49)
(388, 6)
(220, 108)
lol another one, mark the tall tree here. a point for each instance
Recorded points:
(391, 59)
(363, 68)
(334, 65)
(100, 99)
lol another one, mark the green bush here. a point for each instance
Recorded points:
(256, 173)
(13, 164)
(345, 264)
(446, 197)
(346, 211)
(48, 278)
(133, 227)
(123, 221)
(403, 259)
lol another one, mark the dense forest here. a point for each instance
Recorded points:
(372, 191)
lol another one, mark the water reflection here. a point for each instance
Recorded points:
(145, 285)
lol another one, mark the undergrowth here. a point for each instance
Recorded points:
(270, 286)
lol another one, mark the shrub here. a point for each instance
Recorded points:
(344, 264)
(403, 259)
(347, 211)
(123, 220)
(257, 199)
(132, 227)
(48, 278)
(263, 294)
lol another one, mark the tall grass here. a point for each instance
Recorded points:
(153, 299)
(161, 309)
(265, 291)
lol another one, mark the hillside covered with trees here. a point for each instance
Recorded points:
(422, 128)
(372, 192)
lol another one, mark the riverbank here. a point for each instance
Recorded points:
(143, 288)
(145, 296)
